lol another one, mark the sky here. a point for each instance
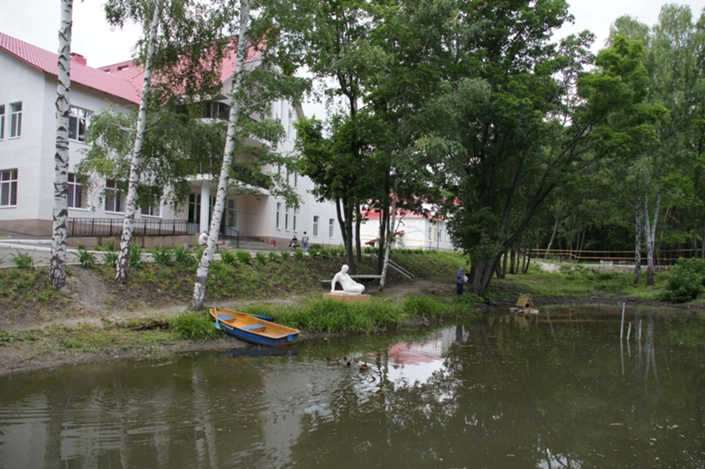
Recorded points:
(37, 22)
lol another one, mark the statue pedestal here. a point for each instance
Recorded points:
(363, 298)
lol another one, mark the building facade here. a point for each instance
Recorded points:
(28, 83)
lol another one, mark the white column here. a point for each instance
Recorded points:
(205, 221)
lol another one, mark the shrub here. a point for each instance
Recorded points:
(261, 258)
(244, 256)
(110, 258)
(228, 257)
(285, 254)
(22, 260)
(136, 261)
(162, 256)
(273, 256)
(86, 258)
(183, 256)
(192, 326)
(685, 281)
(299, 254)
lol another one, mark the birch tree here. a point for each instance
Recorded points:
(57, 268)
(199, 289)
(123, 259)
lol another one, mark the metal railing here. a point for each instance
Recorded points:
(141, 227)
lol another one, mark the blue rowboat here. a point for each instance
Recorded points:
(252, 329)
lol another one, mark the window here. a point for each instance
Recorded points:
(194, 208)
(331, 227)
(293, 221)
(276, 220)
(78, 122)
(15, 119)
(8, 188)
(315, 226)
(153, 210)
(2, 121)
(114, 196)
(286, 217)
(75, 192)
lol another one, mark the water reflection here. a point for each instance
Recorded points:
(555, 390)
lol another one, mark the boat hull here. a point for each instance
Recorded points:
(252, 329)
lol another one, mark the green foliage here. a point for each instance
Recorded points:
(685, 282)
(260, 258)
(22, 260)
(194, 326)
(136, 261)
(228, 257)
(285, 254)
(110, 245)
(86, 258)
(299, 253)
(273, 256)
(244, 256)
(110, 258)
(184, 257)
(22, 336)
(162, 256)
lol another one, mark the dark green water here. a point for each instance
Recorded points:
(557, 391)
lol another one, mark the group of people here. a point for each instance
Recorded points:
(294, 243)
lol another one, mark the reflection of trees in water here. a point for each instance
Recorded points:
(645, 360)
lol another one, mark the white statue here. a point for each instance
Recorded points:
(350, 286)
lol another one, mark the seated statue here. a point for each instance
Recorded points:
(350, 286)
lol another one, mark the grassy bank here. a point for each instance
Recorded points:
(286, 287)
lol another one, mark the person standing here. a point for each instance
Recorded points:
(304, 242)
(460, 280)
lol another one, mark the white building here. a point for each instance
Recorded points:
(28, 82)
(413, 230)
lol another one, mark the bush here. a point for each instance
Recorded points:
(244, 256)
(136, 261)
(22, 260)
(183, 256)
(110, 258)
(228, 257)
(261, 258)
(685, 281)
(273, 256)
(162, 256)
(86, 258)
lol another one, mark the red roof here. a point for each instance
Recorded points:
(82, 74)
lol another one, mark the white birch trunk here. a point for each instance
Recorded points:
(650, 233)
(123, 261)
(199, 288)
(637, 241)
(391, 234)
(57, 268)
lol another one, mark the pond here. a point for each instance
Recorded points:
(510, 391)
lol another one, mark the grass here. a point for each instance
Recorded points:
(194, 326)
(579, 282)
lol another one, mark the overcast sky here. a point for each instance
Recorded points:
(37, 22)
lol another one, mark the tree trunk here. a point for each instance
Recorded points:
(199, 289)
(383, 222)
(391, 233)
(512, 260)
(123, 260)
(650, 232)
(358, 222)
(57, 267)
(553, 236)
(481, 274)
(637, 241)
(527, 263)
